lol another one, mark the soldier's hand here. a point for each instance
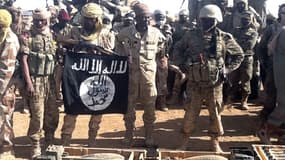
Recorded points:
(30, 89)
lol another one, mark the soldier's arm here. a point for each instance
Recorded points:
(234, 53)
(25, 50)
(251, 41)
(179, 50)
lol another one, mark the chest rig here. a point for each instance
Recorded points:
(41, 58)
(205, 59)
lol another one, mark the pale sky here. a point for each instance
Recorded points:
(173, 6)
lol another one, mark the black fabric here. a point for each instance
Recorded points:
(87, 87)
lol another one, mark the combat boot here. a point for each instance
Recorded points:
(36, 150)
(216, 145)
(49, 139)
(129, 134)
(161, 103)
(65, 139)
(243, 105)
(149, 141)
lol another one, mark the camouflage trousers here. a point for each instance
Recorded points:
(43, 108)
(240, 78)
(69, 122)
(213, 98)
(6, 120)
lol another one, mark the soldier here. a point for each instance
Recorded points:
(38, 59)
(208, 54)
(246, 36)
(10, 46)
(233, 20)
(142, 43)
(92, 32)
(61, 29)
(128, 20)
(267, 63)
(159, 18)
(162, 69)
(177, 90)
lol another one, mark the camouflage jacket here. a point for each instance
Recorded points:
(204, 57)
(246, 38)
(9, 50)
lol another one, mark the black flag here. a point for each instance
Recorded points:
(95, 84)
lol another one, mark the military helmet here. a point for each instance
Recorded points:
(183, 12)
(211, 11)
(41, 14)
(91, 10)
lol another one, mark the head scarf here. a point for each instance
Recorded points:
(5, 22)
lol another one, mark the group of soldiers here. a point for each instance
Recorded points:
(191, 61)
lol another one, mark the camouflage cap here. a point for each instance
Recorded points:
(5, 18)
(91, 10)
(41, 14)
(141, 9)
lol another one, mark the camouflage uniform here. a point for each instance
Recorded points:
(9, 50)
(206, 56)
(104, 38)
(246, 38)
(38, 49)
(142, 51)
(232, 18)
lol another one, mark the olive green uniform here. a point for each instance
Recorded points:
(142, 51)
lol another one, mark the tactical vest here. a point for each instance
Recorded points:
(41, 58)
(206, 60)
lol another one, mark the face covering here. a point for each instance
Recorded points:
(207, 24)
(89, 25)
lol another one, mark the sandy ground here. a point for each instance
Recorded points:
(239, 126)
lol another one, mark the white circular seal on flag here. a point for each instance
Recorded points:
(97, 92)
